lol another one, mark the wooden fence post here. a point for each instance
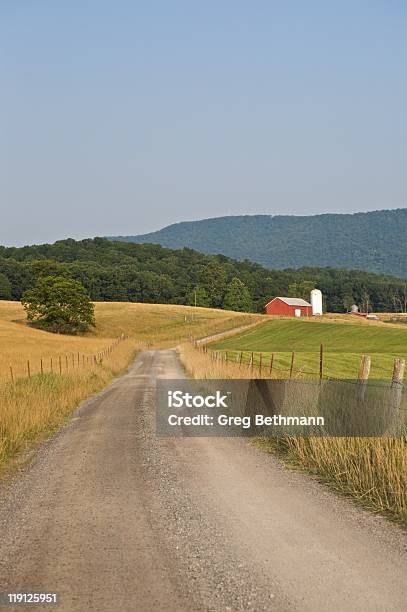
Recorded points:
(397, 382)
(260, 362)
(364, 369)
(28, 368)
(271, 362)
(42, 367)
(60, 364)
(12, 375)
(363, 376)
(52, 367)
(292, 364)
(240, 358)
(398, 371)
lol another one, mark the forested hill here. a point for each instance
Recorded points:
(120, 271)
(373, 241)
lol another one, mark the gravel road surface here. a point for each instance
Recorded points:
(113, 518)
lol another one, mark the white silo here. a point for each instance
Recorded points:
(316, 302)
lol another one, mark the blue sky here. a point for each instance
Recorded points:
(122, 117)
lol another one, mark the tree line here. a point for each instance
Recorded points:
(120, 271)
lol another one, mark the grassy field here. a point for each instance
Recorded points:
(154, 324)
(344, 342)
(372, 470)
(31, 408)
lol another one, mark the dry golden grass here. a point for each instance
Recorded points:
(213, 365)
(157, 324)
(30, 408)
(20, 343)
(371, 470)
(163, 324)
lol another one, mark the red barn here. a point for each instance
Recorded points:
(289, 307)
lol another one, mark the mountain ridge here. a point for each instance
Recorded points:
(373, 241)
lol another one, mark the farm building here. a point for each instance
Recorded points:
(289, 307)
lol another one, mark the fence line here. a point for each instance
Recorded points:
(72, 362)
(396, 378)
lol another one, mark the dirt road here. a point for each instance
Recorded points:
(229, 332)
(113, 518)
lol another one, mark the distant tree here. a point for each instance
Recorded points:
(198, 297)
(348, 301)
(399, 299)
(212, 277)
(301, 289)
(47, 267)
(5, 288)
(366, 302)
(60, 305)
(237, 296)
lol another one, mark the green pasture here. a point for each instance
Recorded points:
(343, 345)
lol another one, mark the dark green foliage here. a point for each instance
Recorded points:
(59, 304)
(120, 271)
(373, 241)
(301, 289)
(213, 277)
(5, 288)
(198, 297)
(237, 296)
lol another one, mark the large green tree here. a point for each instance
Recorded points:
(212, 277)
(60, 305)
(237, 296)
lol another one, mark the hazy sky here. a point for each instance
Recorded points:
(120, 117)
